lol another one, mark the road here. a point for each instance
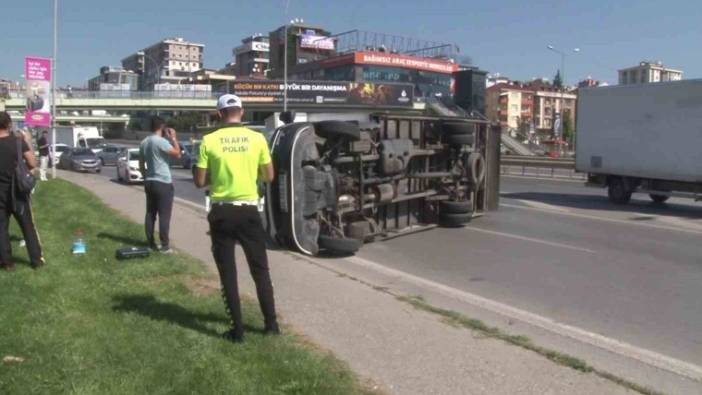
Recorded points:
(561, 250)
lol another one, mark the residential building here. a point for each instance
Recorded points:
(114, 78)
(494, 79)
(589, 83)
(647, 72)
(220, 82)
(551, 101)
(510, 104)
(251, 58)
(306, 44)
(168, 61)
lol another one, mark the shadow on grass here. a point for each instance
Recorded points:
(149, 306)
(123, 239)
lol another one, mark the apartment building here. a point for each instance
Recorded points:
(171, 60)
(510, 104)
(647, 72)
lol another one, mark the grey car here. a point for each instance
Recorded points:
(110, 154)
(80, 159)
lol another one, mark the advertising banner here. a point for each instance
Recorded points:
(326, 93)
(404, 61)
(37, 72)
(316, 42)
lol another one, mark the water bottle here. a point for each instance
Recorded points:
(79, 247)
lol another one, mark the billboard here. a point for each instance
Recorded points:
(404, 61)
(326, 92)
(316, 42)
(37, 72)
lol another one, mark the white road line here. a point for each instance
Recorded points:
(529, 239)
(604, 219)
(642, 355)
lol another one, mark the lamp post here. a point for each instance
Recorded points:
(563, 78)
(53, 92)
(285, 59)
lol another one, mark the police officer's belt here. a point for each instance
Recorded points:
(237, 202)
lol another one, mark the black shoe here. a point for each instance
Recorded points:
(272, 330)
(233, 336)
(8, 267)
(37, 265)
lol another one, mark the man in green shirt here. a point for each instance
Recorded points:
(231, 161)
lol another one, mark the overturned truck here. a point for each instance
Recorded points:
(341, 184)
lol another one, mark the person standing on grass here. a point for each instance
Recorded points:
(12, 203)
(231, 161)
(43, 144)
(155, 152)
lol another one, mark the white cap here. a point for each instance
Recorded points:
(227, 101)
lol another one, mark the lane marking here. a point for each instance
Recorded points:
(530, 239)
(648, 357)
(596, 218)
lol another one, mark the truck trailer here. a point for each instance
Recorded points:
(79, 136)
(641, 138)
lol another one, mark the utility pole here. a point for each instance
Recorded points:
(285, 59)
(53, 92)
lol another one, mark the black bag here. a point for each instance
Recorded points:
(24, 180)
(132, 252)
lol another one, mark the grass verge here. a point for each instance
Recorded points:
(94, 325)
(459, 320)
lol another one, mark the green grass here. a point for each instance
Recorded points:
(94, 325)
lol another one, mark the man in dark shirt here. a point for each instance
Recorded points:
(12, 203)
(43, 144)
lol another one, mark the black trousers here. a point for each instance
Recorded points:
(22, 211)
(229, 225)
(159, 202)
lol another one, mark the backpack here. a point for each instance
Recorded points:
(24, 180)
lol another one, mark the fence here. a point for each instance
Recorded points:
(529, 166)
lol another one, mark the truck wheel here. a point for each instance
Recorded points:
(617, 191)
(337, 129)
(658, 198)
(339, 245)
(458, 128)
(459, 139)
(449, 207)
(454, 220)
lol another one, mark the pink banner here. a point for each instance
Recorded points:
(37, 72)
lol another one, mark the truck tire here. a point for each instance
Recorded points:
(449, 207)
(476, 162)
(459, 139)
(454, 220)
(342, 246)
(337, 129)
(659, 199)
(617, 191)
(458, 128)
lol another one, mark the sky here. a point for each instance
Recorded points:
(507, 37)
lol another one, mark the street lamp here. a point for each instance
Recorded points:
(53, 92)
(563, 77)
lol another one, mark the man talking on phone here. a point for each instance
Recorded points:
(231, 160)
(155, 152)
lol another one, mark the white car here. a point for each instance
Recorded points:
(128, 167)
(60, 149)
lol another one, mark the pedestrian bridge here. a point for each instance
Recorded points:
(106, 100)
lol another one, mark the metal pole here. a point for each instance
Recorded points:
(285, 68)
(53, 92)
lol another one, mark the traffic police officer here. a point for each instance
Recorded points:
(231, 161)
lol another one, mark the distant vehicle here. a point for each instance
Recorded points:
(189, 154)
(128, 166)
(60, 149)
(641, 138)
(80, 137)
(109, 154)
(80, 159)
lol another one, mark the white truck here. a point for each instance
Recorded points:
(642, 138)
(79, 136)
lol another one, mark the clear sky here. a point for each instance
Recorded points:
(507, 36)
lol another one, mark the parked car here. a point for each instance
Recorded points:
(109, 154)
(189, 154)
(128, 166)
(80, 159)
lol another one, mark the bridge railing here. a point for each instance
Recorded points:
(78, 94)
(532, 166)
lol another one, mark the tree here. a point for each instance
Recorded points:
(557, 80)
(567, 127)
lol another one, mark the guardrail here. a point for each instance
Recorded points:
(530, 166)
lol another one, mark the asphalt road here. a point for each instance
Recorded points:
(561, 250)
